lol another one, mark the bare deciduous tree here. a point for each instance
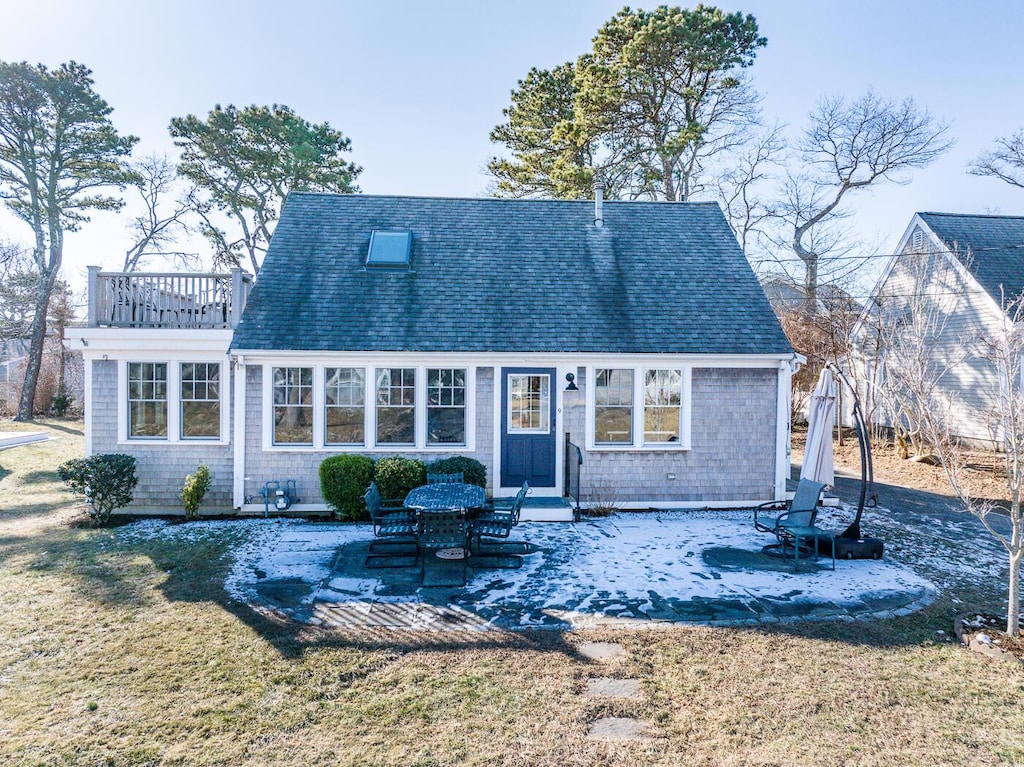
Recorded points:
(1003, 347)
(1005, 161)
(850, 146)
(157, 228)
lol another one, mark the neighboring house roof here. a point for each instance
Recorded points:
(991, 247)
(499, 275)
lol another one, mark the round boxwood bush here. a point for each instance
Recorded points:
(473, 472)
(343, 480)
(396, 476)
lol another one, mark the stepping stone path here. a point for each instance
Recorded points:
(603, 687)
(612, 727)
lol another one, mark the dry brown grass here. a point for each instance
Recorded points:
(132, 654)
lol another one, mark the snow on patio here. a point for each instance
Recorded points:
(628, 569)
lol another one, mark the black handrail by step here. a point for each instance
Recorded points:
(571, 476)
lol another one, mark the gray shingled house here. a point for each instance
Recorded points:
(504, 330)
(959, 271)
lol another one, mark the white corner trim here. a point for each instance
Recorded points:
(782, 428)
(237, 367)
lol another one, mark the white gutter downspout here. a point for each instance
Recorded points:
(238, 440)
(782, 423)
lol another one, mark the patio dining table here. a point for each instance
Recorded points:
(445, 496)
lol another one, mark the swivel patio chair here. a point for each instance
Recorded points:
(441, 479)
(794, 527)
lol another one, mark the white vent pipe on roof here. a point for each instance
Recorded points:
(598, 204)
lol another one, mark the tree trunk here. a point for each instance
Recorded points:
(1013, 596)
(26, 405)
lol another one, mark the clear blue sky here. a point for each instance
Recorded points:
(418, 86)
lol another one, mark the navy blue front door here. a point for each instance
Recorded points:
(528, 427)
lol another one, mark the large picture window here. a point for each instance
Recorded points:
(663, 406)
(344, 406)
(200, 400)
(638, 407)
(147, 400)
(613, 407)
(293, 406)
(446, 406)
(396, 406)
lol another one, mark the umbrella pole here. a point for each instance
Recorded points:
(867, 478)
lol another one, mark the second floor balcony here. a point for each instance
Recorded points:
(167, 300)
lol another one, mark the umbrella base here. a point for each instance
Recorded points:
(864, 547)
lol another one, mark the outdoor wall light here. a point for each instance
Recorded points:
(571, 378)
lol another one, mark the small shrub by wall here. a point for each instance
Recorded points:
(106, 481)
(343, 480)
(397, 475)
(195, 489)
(473, 472)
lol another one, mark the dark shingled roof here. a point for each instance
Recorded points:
(495, 275)
(992, 248)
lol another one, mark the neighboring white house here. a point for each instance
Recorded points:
(433, 327)
(958, 272)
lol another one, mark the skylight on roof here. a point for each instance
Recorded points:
(389, 248)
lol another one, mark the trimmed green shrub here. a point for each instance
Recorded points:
(473, 472)
(397, 475)
(105, 480)
(343, 480)
(195, 489)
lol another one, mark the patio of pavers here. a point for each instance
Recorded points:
(632, 569)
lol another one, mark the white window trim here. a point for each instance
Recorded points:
(370, 409)
(545, 410)
(173, 401)
(639, 376)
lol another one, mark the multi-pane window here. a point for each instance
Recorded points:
(663, 398)
(293, 406)
(344, 404)
(200, 400)
(446, 406)
(396, 406)
(147, 399)
(613, 407)
(529, 403)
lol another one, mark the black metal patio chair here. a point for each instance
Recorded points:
(443, 531)
(498, 521)
(390, 518)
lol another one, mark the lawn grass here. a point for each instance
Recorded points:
(125, 650)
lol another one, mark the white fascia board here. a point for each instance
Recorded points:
(894, 257)
(116, 342)
(488, 359)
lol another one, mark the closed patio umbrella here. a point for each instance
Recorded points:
(818, 464)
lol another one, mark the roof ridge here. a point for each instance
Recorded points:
(970, 215)
(449, 198)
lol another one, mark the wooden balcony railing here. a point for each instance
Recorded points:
(147, 300)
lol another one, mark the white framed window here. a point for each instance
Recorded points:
(613, 406)
(147, 400)
(446, 406)
(172, 400)
(663, 406)
(396, 406)
(529, 403)
(344, 406)
(369, 408)
(293, 406)
(635, 407)
(200, 400)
